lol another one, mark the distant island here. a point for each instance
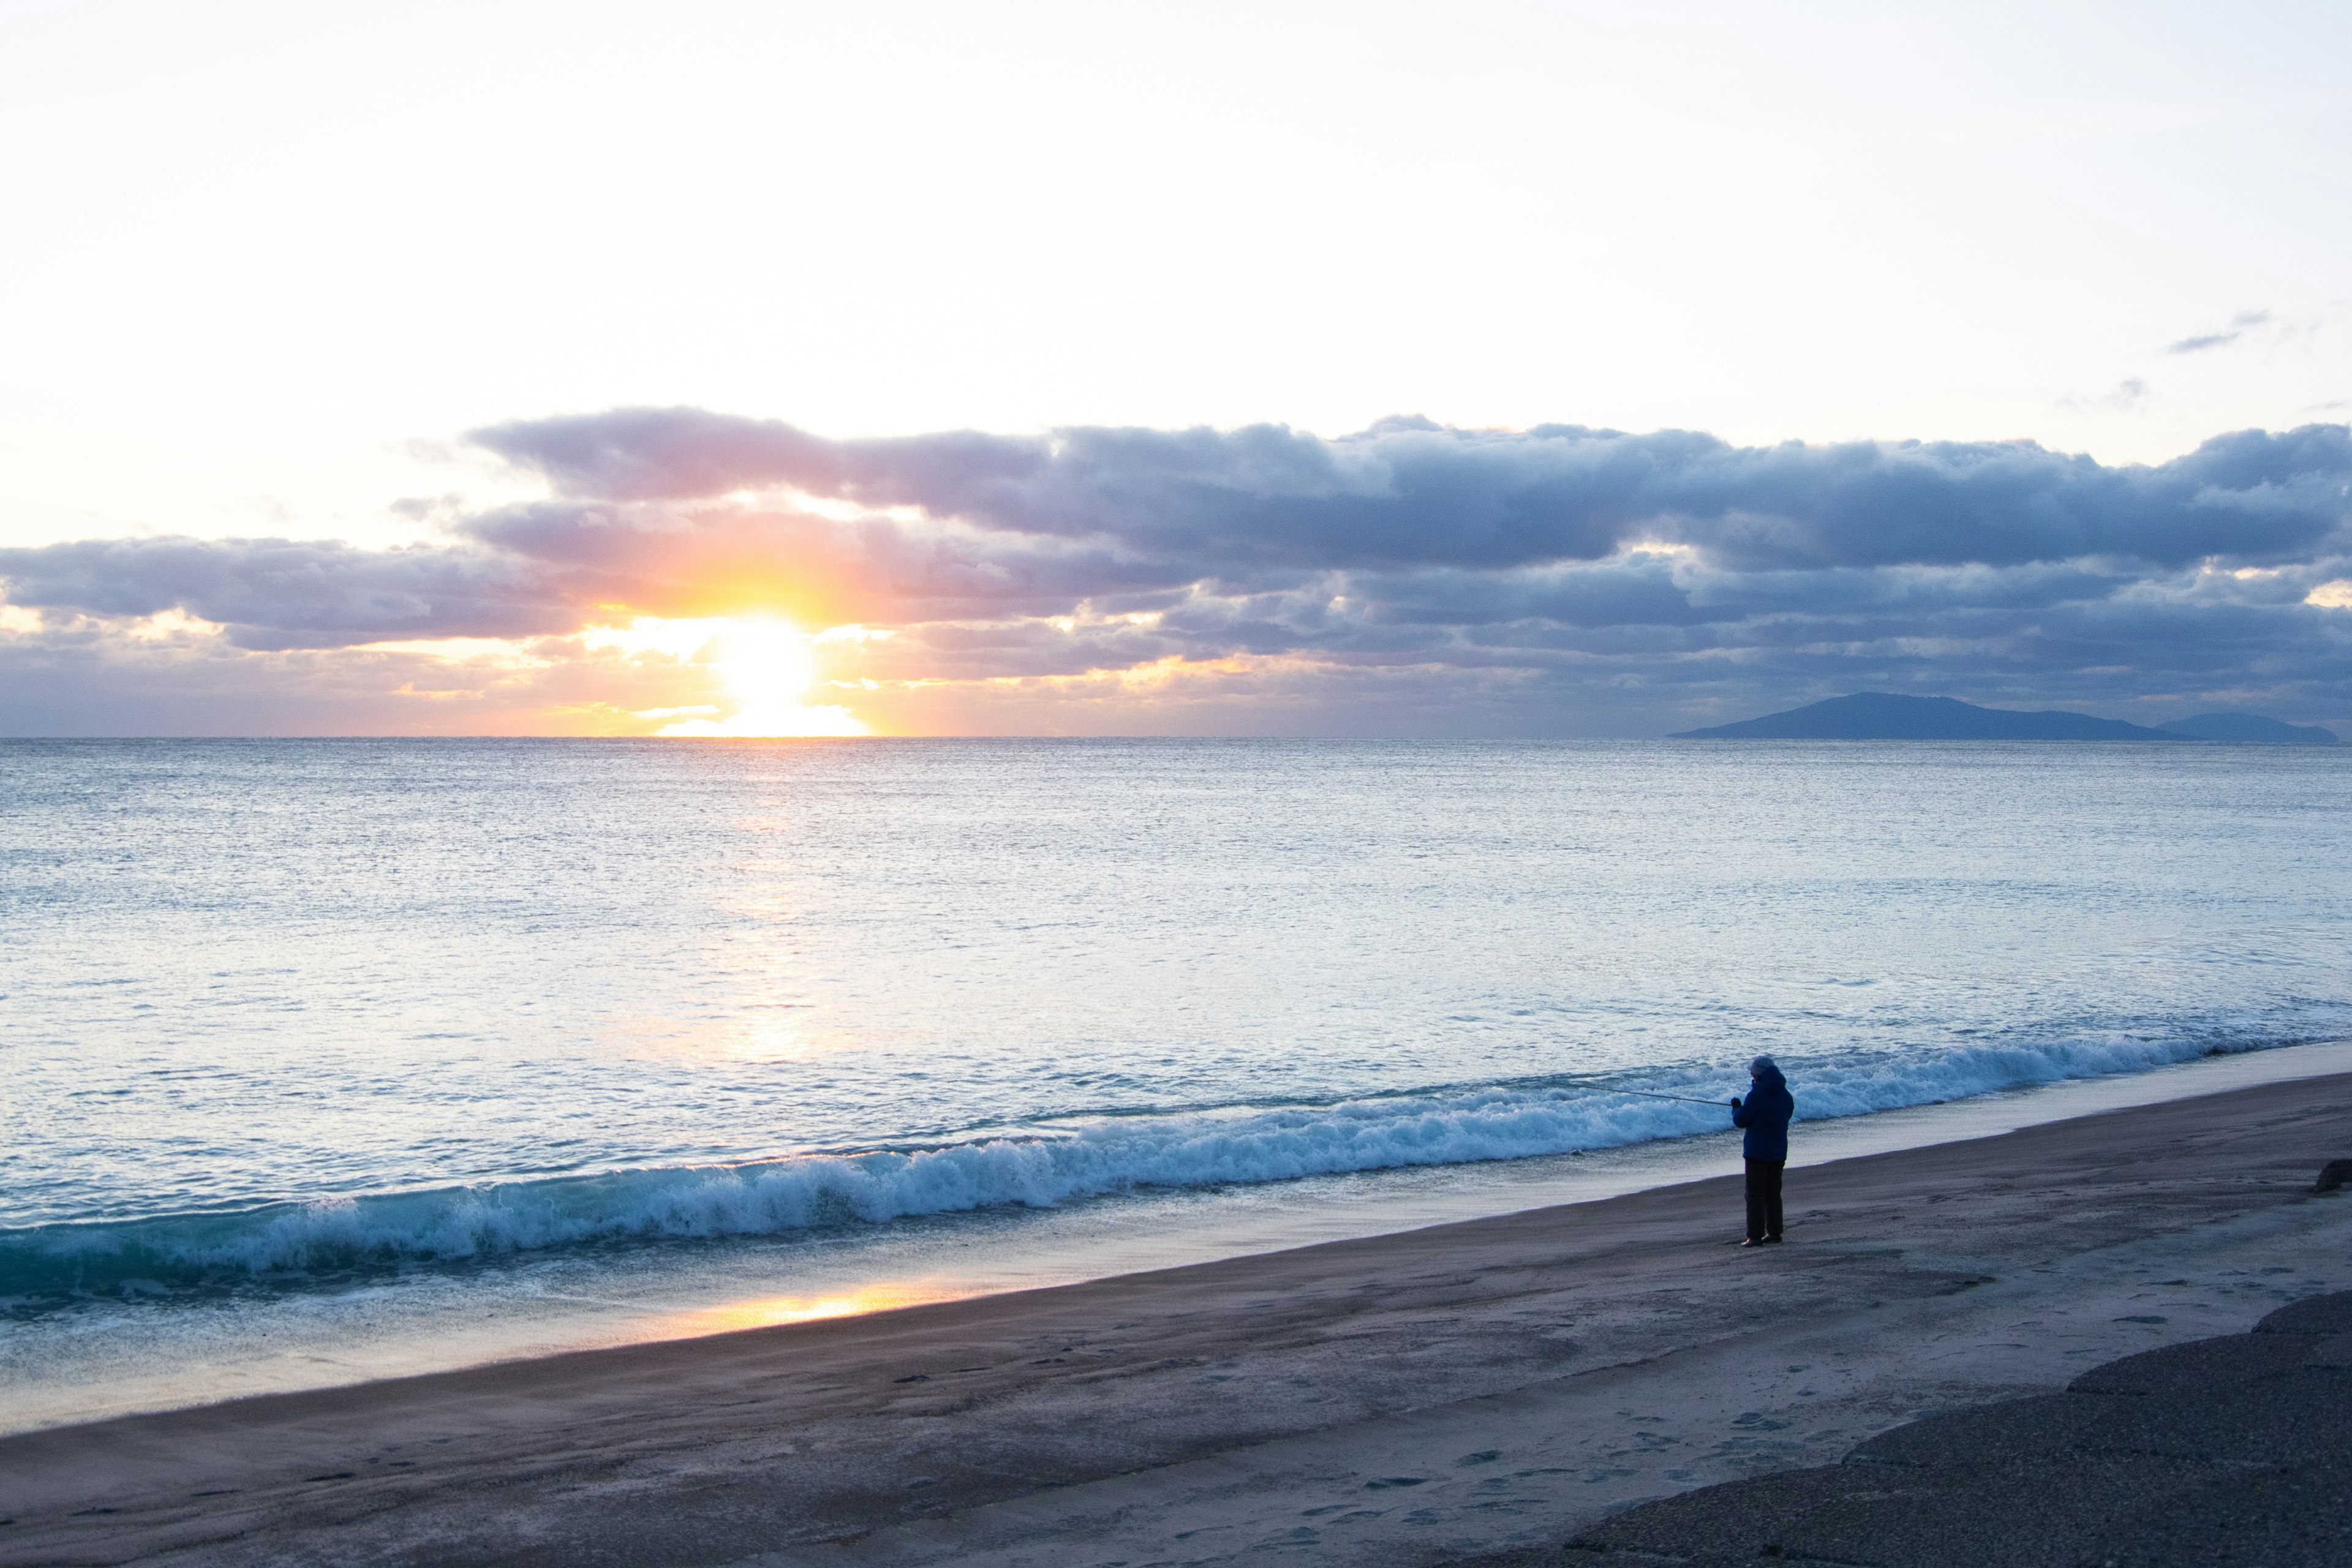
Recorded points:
(1886, 716)
(2250, 729)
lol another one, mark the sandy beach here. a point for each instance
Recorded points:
(1410, 1398)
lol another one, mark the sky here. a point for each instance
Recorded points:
(906, 369)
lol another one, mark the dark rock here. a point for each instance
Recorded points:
(2334, 1175)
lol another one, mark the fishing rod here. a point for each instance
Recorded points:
(1647, 1094)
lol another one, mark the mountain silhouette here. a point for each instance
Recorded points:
(1887, 716)
(2250, 729)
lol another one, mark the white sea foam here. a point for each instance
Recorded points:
(1054, 1164)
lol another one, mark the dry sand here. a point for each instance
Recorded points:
(1402, 1399)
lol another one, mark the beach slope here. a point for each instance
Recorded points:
(1410, 1399)
(2219, 1450)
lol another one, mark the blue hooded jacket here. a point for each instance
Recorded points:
(1765, 1113)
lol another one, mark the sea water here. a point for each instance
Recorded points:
(379, 1036)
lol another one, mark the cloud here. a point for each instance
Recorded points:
(2127, 397)
(283, 594)
(2240, 325)
(1419, 578)
(1227, 504)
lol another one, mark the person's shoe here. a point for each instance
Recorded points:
(1771, 1241)
(1751, 1241)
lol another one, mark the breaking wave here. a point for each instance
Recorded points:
(1050, 1163)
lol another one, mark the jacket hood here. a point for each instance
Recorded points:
(1767, 1074)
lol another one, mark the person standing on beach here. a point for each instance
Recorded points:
(1765, 1114)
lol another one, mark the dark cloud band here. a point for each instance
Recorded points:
(282, 594)
(1409, 493)
(1587, 566)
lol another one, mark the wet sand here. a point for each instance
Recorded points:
(1407, 1398)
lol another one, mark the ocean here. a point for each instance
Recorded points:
(469, 1047)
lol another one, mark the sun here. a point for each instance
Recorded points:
(765, 665)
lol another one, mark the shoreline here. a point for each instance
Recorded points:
(307, 1342)
(1399, 1397)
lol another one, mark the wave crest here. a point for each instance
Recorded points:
(289, 1242)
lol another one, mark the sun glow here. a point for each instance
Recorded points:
(737, 1315)
(765, 667)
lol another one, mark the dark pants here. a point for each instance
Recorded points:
(1764, 1199)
